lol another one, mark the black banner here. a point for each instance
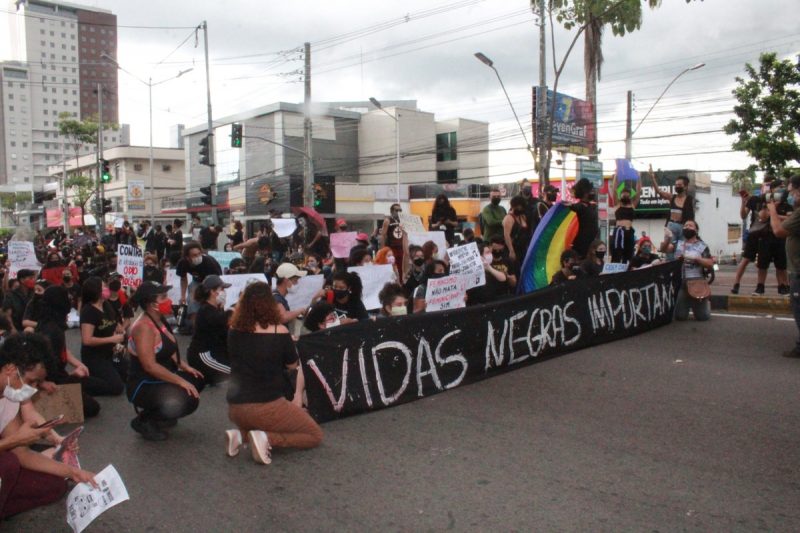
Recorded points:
(372, 365)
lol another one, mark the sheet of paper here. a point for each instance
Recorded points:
(342, 242)
(85, 503)
(445, 293)
(130, 265)
(614, 268)
(411, 223)
(373, 278)
(238, 283)
(283, 227)
(465, 261)
(21, 254)
(306, 288)
(174, 281)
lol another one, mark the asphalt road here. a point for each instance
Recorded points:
(690, 427)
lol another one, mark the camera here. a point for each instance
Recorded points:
(776, 196)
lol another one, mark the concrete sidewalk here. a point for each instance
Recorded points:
(722, 299)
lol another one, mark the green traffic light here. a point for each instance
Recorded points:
(106, 178)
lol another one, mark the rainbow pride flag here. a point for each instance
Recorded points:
(553, 235)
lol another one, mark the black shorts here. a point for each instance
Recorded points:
(750, 249)
(772, 250)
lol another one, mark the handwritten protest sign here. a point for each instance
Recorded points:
(342, 242)
(238, 283)
(284, 227)
(130, 264)
(21, 254)
(614, 268)
(466, 262)
(411, 223)
(306, 288)
(445, 293)
(224, 258)
(174, 281)
(66, 400)
(436, 236)
(85, 503)
(373, 278)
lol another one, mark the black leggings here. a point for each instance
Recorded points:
(104, 379)
(214, 364)
(622, 244)
(165, 401)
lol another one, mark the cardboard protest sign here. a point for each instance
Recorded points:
(306, 288)
(284, 227)
(374, 365)
(224, 258)
(174, 281)
(21, 254)
(466, 262)
(411, 223)
(66, 400)
(445, 293)
(436, 236)
(130, 264)
(373, 278)
(342, 242)
(238, 283)
(85, 503)
(614, 268)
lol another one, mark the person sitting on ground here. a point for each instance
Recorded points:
(320, 316)
(499, 272)
(161, 386)
(237, 266)
(393, 300)
(644, 255)
(695, 256)
(360, 256)
(118, 299)
(287, 277)
(312, 264)
(570, 268)
(208, 350)
(101, 331)
(29, 479)
(262, 353)
(34, 308)
(346, 298)
(16, 299)
(151, 270)
(595, 258)
(385, 256)
(436, 269)
(416, 270)
(199, 265)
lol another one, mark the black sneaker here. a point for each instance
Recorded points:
(147, 429)
(783, 289)
(759, 290)
(735, 289)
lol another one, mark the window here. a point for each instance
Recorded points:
(24, 144)
(137, 167)
(166, 168)
(447, 176)
(46, 123)
(11, 96)
(11, 108)
(446, 146)
(734, 233)
(13, 167)
(13, 144)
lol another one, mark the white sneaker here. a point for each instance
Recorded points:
(259, 447)
(233, 438)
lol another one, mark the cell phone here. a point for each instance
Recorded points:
(50, 423)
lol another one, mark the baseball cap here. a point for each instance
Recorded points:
(362, 237)
(148, 290)
(341, 222)
(214, 282)
(288, 270)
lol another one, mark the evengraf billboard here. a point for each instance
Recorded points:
(573, 129)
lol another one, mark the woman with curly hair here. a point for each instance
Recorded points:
(262, 353)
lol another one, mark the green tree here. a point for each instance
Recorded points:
(83, 189)
(768, 113)
(742, 180)
(77, 132)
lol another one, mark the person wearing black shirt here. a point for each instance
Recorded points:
(531, 205)
(122, 311)
(548, 199)
(237, 237)
(623, 236)
(16, 300)
(175, 239)
(208, 351)
(588, 222)
(415, 273)
(394, 236)
(593, 264)
(100, 333)
(160, 241)
(346, 298)
(148, 235)
(444, 218)
(570, 269)
(34, 308)
(499, 271)
(644, 255)
(772, 249)
(198, 265)
(208, 237)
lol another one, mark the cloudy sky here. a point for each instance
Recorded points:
(424, 50)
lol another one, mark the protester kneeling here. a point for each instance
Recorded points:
(29, 479)
(262, 355)
(161, 386)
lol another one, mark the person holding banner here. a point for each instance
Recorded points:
(321, 315)
(161, 386)
(622, 239)
(262, 356)
(570, 269)
(346, 298)
(500, 278)
(434, 270)
(595, 258)
(208, 351)
(393, 300)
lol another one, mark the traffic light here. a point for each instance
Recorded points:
(204, 147)
(106, 206)
(319, 195)
(206, 192)
(105, 171)
(236, 135)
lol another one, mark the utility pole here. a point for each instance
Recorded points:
(64, 188)
(541, 102)
(211, 144)
(629, 127)
(308, 174)
(99, 190)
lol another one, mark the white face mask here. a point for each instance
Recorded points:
(20, 395)
(390, 259)
(332, 323)
(399, 310)
(196, 261)
(221, 297)
(292, 289)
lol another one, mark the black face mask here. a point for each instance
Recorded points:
(552, 197)
(419, 261)
(436, 276)
(526, 191)
(78, 263)
(626, 200)
(497, 253)
(495, 201)
(600, 255)
(115, 285)
(67, 279)
(341, 294)
(689, 233)
(679, 189)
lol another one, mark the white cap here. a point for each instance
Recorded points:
(288, 270)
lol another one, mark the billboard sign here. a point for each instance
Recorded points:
(573, 129)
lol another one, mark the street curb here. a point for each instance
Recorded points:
(774, 305)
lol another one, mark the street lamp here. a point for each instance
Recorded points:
(630, 134)
(396, 140)
(150, 86)
(489, 63)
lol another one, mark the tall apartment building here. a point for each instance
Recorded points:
(56, 67)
